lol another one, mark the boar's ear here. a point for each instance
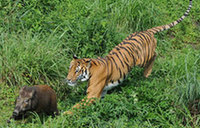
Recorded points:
(22, 89)
(32, 94)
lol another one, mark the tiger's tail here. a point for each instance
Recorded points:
(168, 26)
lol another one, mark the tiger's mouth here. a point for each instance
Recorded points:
(71, 83)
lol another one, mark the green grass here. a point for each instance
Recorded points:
(38, 39)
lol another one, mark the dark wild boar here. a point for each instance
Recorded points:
(38, 98)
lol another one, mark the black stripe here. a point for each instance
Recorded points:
(134, 61)
(149, 48)
(155, 29)
(147, 32)
(178, 21)
(149, 36)
(117, 48)
(151, 31)
(121, 55)
(120, 73)
(133, 55)
(128, 67)
(145, 42)
(133, 48)
(131, 36)
(105, 60)
(126, 57)
(101, 60)
(181, 18)
(144, 36)
(164, 28)
(124, 76)
(94, 62)
(140, 43)
(170, 25)
(125, 50)
(81, 70)
(141, 50)
(114, 62)
(119, 82)
(124, 61)
(134, 34)
(140, 37)
(98, 61)
(128, 46)
(88, 79)
(107, 69)
(111, 63)
(119, 58)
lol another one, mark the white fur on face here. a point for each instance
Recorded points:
(84, 76)
(71, 84)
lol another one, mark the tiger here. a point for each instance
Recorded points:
(105, 73)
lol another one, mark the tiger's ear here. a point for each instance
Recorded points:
(75, 57)
(88, 63)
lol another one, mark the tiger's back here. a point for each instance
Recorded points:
(137, 49)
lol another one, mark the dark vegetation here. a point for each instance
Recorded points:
(39, 37)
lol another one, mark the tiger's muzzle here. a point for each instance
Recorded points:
(69, 82)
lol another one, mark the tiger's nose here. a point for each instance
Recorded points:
(65, 81)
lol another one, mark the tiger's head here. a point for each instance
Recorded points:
(78, 70)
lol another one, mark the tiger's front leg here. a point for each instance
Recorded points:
(94, 92)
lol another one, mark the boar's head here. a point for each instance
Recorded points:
(24, 102)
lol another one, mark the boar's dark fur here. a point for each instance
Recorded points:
(38, 98)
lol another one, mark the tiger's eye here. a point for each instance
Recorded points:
(77, 69)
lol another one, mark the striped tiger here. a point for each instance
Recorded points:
(104, 73)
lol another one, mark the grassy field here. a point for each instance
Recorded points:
(38, 39)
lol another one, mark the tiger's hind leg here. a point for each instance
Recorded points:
(148, 66)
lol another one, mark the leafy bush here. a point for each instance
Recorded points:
(32, 60)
